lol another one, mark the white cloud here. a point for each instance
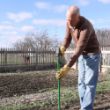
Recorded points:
(14, 37)
(18, 17)
(10, 39)
(60, 8)
(101, 22)
(82, 2)
(51, 7)
(9, 34)
(43, 5)
(6, 27)
(48, 22)
(27, 28)
(105, 1)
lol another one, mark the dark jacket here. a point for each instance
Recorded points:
(84, 37)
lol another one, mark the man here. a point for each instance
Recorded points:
(87, 52)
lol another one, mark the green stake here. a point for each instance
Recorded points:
(60, 63)
(59, 105)
(58, 68)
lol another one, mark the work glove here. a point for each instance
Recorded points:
(62, 50)
(62, 72)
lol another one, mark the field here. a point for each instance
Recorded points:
(38, 91)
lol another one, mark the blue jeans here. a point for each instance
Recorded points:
(88, 67)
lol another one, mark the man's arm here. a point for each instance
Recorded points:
(67, 41)
(82, 42)
(68, 38)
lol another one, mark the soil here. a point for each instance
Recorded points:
(28, 83)
(15, 85)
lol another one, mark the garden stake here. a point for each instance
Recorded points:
(58, 68)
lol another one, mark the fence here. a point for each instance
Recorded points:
(13, 60)
(105, 57)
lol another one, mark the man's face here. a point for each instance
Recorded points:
(73, 19)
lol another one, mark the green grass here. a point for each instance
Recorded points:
(17, 107)
(67, 95)
(103, 87)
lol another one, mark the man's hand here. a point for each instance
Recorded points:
(62, 50)
(62, 72)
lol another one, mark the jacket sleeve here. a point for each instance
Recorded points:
(80, 46)
(67, 39)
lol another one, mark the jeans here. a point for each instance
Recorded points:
(88, 68)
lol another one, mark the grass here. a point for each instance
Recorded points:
(14, 107)
(104, 86)
(67, 95)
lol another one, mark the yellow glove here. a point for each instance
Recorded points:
(62, 50)
(62, 72)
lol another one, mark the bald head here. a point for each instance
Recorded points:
(73, 14)
(72, 10)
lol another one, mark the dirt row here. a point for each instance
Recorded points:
(26, 83)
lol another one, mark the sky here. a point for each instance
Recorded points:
(18, 17)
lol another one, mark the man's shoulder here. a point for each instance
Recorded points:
(86, 23)
(85, 20)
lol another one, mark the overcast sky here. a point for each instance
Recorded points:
(17, 17)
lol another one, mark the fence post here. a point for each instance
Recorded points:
(5, 55)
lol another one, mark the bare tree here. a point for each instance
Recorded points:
(103, 37)
(37, 40)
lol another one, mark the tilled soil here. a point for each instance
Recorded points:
(103, 102)
(21, 84)
(27, 83)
